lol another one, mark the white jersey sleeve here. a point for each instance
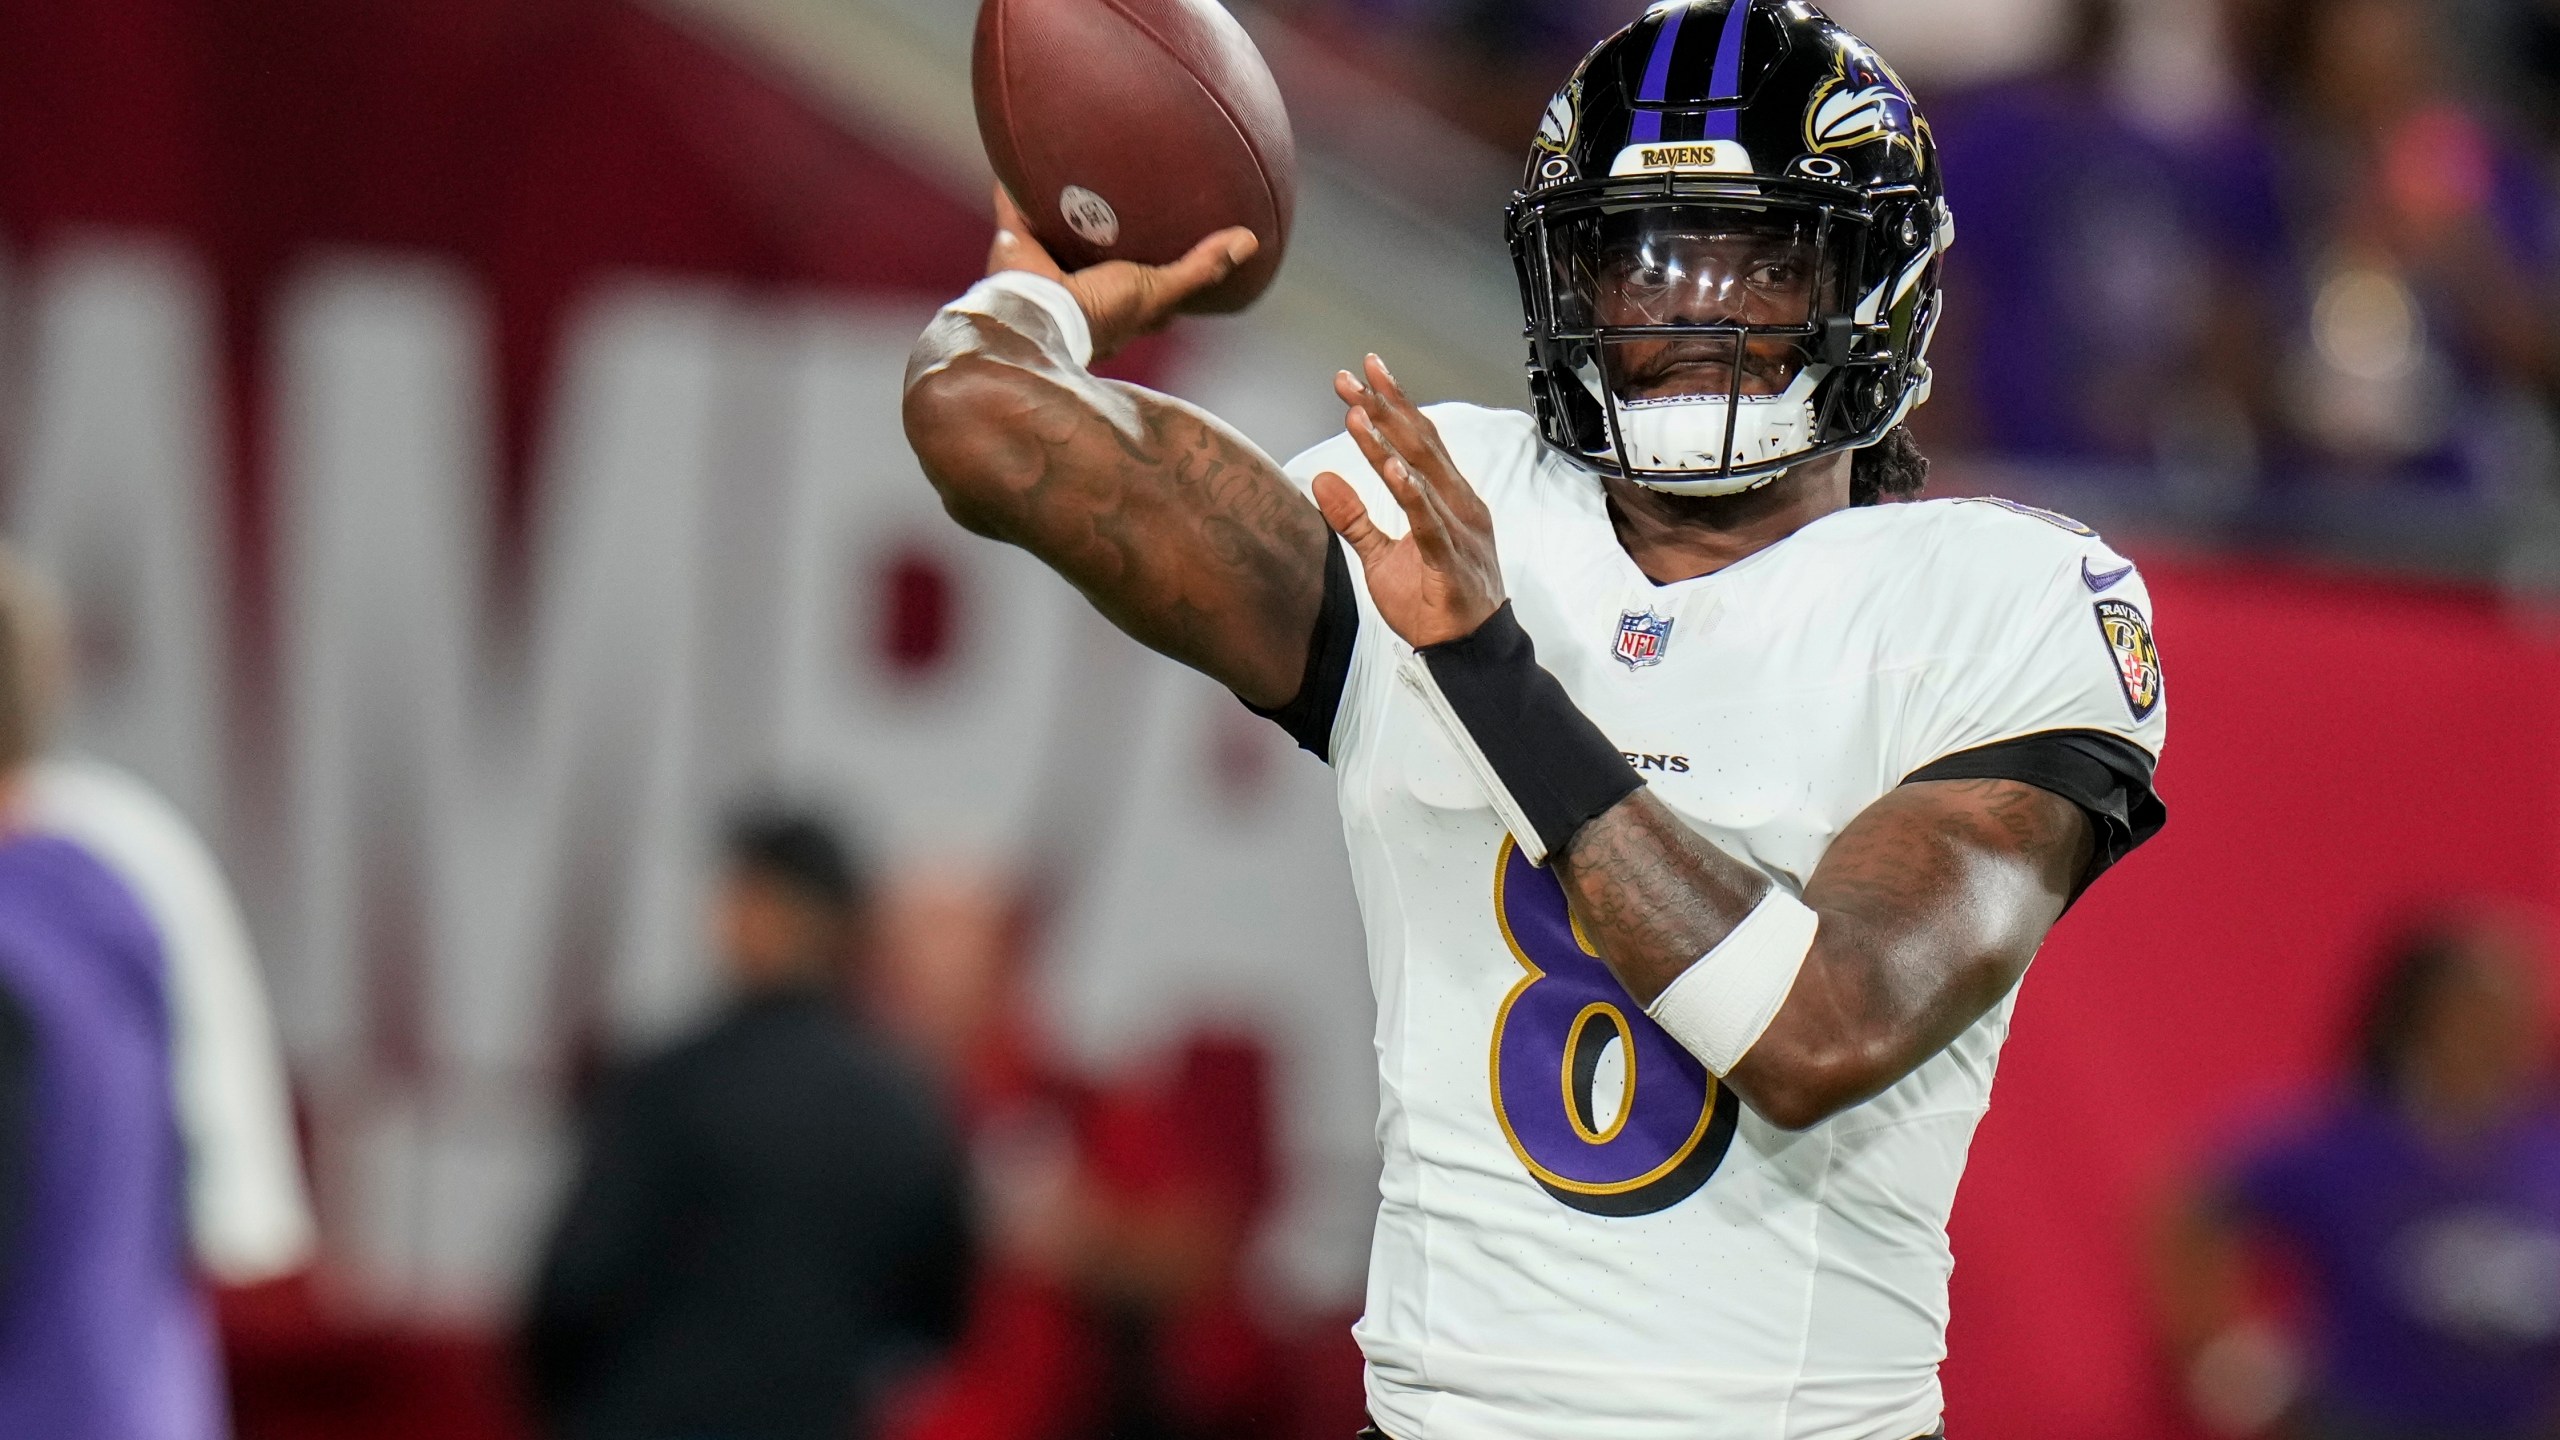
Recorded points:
(2031, 626)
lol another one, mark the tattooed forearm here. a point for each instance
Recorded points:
(1648, 889)
(1931, 903)
(1179, 530)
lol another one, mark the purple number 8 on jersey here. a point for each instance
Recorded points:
(1673, 1122)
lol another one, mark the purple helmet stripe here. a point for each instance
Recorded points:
(1726, 86)
(1657, 76)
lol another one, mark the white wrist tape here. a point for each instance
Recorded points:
(1719, 1008)
(1040, 290)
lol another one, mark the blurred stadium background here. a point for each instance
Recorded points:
(466, 434)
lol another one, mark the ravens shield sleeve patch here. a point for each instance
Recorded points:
(2137, 658)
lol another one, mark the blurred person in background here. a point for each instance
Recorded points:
(2101, 264)
(2408, 276)
(948, 979)
(104, 1332)
(248, 1208)
(770, 1217)
(1120, 1212)
(1178, 1175)
(2419, 1210)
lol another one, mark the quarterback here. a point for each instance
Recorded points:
(1706, 803)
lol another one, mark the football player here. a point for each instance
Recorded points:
(1705, 809)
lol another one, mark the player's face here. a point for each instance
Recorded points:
(1693, 275)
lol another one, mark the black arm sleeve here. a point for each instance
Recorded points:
(1309, 716)
(17, 1130)
(2106, 775)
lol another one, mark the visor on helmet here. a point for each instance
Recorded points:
(1692, 266)
(1697, 331)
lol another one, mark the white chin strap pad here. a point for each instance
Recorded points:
(1687, 432)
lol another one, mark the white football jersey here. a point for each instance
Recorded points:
(1581, 1233)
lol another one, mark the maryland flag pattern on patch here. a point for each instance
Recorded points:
(2137, 658)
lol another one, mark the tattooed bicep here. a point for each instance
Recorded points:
(2011, 816)
(1958, 845)
(1177, 528)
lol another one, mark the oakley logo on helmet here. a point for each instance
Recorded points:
(1729, 238)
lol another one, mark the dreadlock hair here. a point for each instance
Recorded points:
(1891, 469)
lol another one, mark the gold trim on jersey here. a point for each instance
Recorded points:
(1502, 1018)
(1573, 1062)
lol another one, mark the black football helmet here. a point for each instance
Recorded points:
(1729, 243)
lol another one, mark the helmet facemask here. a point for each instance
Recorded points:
(1706, 344)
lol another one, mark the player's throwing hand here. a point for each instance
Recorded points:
(1443, 579)
(1121, 300)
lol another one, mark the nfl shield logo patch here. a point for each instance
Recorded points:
(1641, 638)
(2137, 658)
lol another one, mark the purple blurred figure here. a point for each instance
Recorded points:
(2419, 1210)
(2413, 282)
(104, 1334)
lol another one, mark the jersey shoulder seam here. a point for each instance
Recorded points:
(1990, 512)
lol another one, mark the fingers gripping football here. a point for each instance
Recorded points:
(1121, 300)
(1442, 579)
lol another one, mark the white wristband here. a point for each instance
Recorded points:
(1040, 290)
(1719, 1008)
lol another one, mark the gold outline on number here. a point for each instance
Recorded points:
(1626, 1088)
(1502, 1019)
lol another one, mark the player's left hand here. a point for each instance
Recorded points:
(1442, 579)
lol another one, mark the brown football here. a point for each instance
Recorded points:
(1133, 129)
